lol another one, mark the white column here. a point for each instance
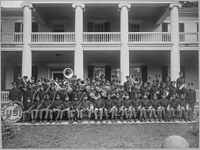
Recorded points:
(78, 54)
(175, 51)
(27, 29)
(199, 46)
(124, 53)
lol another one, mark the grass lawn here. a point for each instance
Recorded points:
(144, 135)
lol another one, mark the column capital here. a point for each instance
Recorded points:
(29, 5)
(75, 5)
(172, 5)
(127, 5)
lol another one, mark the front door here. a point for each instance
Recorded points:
(57, 75)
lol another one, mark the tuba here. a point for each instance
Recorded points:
(68, 73)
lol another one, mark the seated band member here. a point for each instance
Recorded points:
(181, 104)
(86, 106)
(27, 107)
(153, 104)
(163, 102)
(137, 103)
(144, 108)
(171, 107)
(76, 108)
(109, 108)
(128, 108)
(98, 107)
(58, 105)
(117, 105)
(67, 107)
(35, 111)
(48, 108)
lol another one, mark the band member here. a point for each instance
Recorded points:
(171, 107)
(117, 104)
(27, 107)
(180, 82)
(35, 110)
(98, 107)
(86, 106)
(58, 105)
(67, 107)
(134, 106)
(144, 107)
(109, 108)
(128, 84)
(128, 108)
(51, 90)
(41, 92)
(190, 96)
(172, 89)
(14, 93)
(181, 103)
(144, 89)
(163, 102)
(153, 104)
(48, 108)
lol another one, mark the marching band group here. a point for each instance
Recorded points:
(73, 99)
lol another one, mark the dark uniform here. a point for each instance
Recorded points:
(14, 95)
(27, 109)
(128, 108)
(191, 98)
(143, 111)
(181, 103)
(109, 103)
(162, 109)
(98, 107)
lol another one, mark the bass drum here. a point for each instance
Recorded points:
(11, 112)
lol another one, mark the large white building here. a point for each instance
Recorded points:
(141, 37)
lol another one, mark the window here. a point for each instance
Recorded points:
(134, 27)
(18, 27)
(98, 26)
(34, 27)
(164, 27)
(182, 30)
(59, 28)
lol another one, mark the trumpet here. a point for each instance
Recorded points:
(68, 73)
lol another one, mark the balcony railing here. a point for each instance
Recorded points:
(101, 37)
(97, 37)
(52, 37)
(149, 37)
(4, 96)
(188, 37)
(12, 38)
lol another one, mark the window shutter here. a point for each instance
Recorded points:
(35, 72)
(17, 71)
(164, 73)
(107, 26)
(90, 71)
(144, 73)
(108, 73)
(34, 27)
(90, 26)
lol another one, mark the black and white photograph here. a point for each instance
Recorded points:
(100, 74)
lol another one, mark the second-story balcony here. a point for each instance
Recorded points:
(98, 37)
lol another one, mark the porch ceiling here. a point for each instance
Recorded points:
(112, 57)
(53, 57)
(63, 11)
